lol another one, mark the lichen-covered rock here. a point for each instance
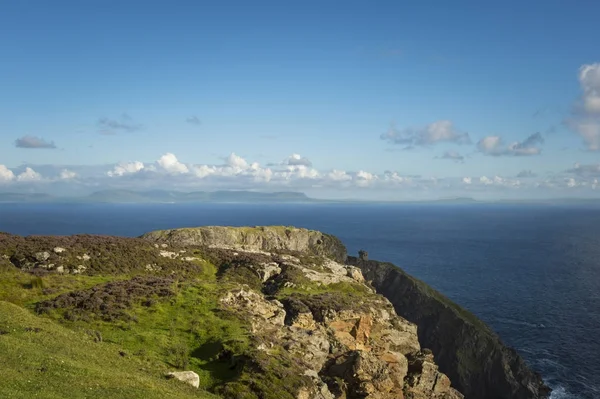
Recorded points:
(189, 377)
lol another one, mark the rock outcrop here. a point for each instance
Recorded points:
(189, 377)
(465, 349)
(264, 238)
(351, 346)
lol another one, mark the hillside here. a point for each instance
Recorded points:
(249, 312)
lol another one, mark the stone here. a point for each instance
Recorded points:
(256, 305)
(355, 274)
(268, 270)
(189, 377)
(42, 256)
(168, 254)
(59, 250)
(60, 269)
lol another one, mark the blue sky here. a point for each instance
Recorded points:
(338, 99)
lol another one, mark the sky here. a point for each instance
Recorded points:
(353, 99)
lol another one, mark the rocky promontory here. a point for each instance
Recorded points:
(233, 312)
(466, 349)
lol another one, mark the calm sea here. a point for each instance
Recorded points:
(531, 272)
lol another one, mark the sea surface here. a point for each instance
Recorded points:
(532, 272)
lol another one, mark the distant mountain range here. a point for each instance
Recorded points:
(162, 196)
(241, 196)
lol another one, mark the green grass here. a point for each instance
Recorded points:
(42, 359)
(186, 331)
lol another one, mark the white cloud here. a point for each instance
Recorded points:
(589, 130)
(585, 118)
(395, 177)
(589, 79)
(297, 160)
(363, 179)
(66, 174)
(126, 168)
(236, 162)
(170, 164)
(29, 175)
(6, 175)
(338, 175)
(498, 181)
(467, 180)
(202, 171)
(436, 132)
(494, 145)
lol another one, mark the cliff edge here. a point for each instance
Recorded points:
(259, 238)
(466, 349)
(252, 313)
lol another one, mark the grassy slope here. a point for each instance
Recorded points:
(42, 359)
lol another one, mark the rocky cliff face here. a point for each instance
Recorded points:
(264, 238)
(473, 356)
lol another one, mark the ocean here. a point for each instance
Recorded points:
(532, 272)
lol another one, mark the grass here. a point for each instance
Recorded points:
(42, 359)
(185, 331)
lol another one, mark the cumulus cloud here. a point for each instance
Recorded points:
(494, 145)
(338, 175)
(467, 180)
(6, 174)
(363, 178)
(34, 142)
(29, 175)
(66, 174)
(298, 160)
(585, 117)
(526, 174)
(111, 126)
(436, 132)
(452, 155)
(126, 168)
(589, 79)
(193, 120)
(170, 164)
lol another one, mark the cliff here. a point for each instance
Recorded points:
(263, 238)
(269, 313)
(465, 349)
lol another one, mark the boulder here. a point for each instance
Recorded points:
(189, 377)
(42, 256)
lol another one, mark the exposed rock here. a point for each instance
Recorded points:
(269, 239)
(168, 254)
(255, 305)
(355, 274)
(59, 250)
(473, 357)
(189, 377)
(268, 270)
(42, 256)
